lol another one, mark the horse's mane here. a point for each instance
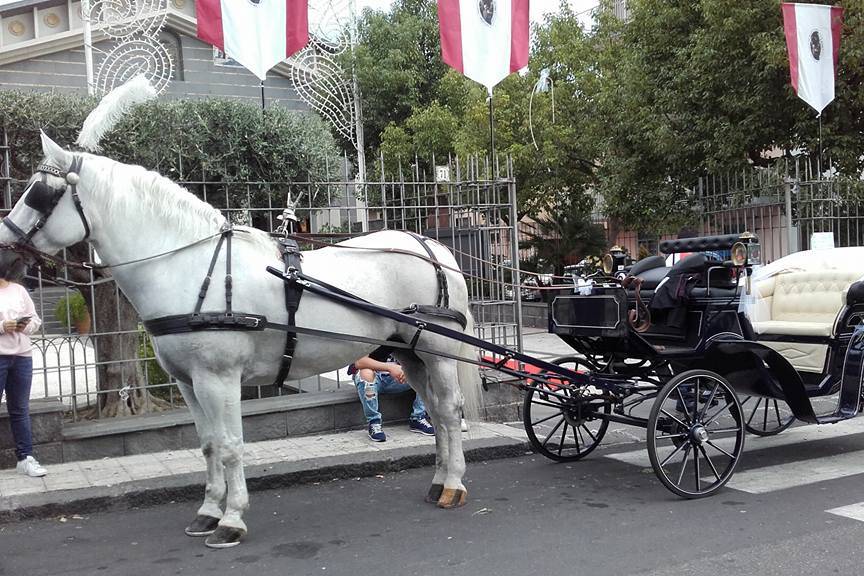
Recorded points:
(130, 189)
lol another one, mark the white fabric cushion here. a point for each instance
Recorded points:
(803, 357)
(810, 296)
(794, 328)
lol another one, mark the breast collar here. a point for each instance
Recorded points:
(44, 199)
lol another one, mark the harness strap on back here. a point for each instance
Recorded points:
(443, 300)
(292, 258)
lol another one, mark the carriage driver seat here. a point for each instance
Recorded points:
(855, 294)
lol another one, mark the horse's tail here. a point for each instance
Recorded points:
(469, 376)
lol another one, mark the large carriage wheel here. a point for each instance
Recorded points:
(695, 433)
(563, 426)
(766, 416)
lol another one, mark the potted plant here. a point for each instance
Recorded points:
(71, 310)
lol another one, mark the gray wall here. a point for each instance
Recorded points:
(196, 75)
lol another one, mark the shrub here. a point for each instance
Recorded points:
(71, 309)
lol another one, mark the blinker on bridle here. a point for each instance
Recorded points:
(44, 199)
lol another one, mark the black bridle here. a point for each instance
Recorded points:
(44, 199)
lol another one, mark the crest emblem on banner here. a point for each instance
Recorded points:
(255, 2)
(487, 10)
(815, 44)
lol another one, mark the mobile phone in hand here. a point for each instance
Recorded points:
(23, 320)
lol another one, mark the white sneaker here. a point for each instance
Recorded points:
(31, 467)
(464, 425)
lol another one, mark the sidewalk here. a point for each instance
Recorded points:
(123, 482)
(120, 483)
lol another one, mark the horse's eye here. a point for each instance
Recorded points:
(42, 197)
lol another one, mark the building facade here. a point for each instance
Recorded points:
(42, 49)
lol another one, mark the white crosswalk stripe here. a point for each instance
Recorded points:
(792, 436)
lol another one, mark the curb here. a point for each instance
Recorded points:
(186, 487)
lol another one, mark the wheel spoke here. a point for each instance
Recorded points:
(765, 416)
(663, 410)
(678, 449)
(587, 431)
(696, 470)
(683, 464)
(552, 432)
(553, 405)
(721, 430)
(533, 423)
(709, 401)
(717, 413)
(753, 413)
(711, 464)
(720, 450)
(683, 404)
(563, 438)
(577, 435)
(670, 436)
(777, 413)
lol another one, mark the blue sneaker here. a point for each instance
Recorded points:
(376, 434)
(421, 426)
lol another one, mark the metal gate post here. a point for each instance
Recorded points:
(791, 231)
(514, 255)
(6, 174)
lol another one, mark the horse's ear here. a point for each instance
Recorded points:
(62, 158)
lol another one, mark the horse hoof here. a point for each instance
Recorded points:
(452, 498)
(225, 537)
(434, 493)
(202, 526)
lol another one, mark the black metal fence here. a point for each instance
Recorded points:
(467, 205)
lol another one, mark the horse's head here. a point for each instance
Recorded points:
(50, 215)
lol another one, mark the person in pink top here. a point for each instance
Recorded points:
(18, 320)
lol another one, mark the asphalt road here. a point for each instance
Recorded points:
(525, 516)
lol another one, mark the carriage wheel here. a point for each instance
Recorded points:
(766, 416)
(563, 427)
(695, 433)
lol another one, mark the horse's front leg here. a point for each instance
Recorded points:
(219, 396)
(210, 512)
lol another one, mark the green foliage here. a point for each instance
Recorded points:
(562, 238)
(217, 140)
(155, 374)
(71, 309)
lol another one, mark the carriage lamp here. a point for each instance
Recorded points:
(614, 260)
(739, 254)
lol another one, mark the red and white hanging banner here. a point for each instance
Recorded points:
(813, 42)
(485, 40)
(256, 33)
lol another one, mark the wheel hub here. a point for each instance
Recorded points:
(698, 434)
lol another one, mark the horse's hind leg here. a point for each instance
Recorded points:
(219, 397)
(445, 403)
(210, 512)
(419, 380)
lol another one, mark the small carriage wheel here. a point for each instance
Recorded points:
(766, 416)
(559, 426)
(695, 433)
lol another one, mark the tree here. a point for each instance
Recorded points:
(564, 237)
(687, 88)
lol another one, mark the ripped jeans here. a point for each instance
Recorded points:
(383, 384)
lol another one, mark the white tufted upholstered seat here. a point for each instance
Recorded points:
(801, 303)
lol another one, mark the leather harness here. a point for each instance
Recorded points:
(295, 282)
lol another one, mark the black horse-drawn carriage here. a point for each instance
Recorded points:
(676, 351)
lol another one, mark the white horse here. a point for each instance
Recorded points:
(132, 213)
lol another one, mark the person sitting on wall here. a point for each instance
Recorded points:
(372, 377)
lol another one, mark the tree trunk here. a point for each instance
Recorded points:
(116, 339)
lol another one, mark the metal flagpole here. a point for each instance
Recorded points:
(262, 97)
(491, 131)
(88, 46)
